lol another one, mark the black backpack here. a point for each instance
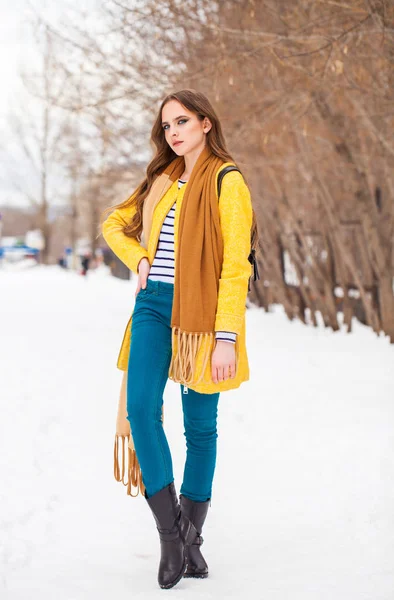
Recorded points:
(252, 255)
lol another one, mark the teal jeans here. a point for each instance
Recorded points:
(149, 361)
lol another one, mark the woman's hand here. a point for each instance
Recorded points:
(223, 361)
(143, 272)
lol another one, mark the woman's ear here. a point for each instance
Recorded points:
(207, 126)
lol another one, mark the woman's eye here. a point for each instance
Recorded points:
(180, 121)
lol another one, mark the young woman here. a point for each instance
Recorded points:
(191, 252)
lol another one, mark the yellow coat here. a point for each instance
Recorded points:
(235, 209)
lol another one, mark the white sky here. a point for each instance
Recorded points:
(17, 49)
(12, 48)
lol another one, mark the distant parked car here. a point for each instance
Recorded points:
(17, 253)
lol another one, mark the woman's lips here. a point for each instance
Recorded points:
(177, 143)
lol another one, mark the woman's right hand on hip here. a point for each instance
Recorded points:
(143, 272)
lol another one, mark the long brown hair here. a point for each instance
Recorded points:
(199, 104)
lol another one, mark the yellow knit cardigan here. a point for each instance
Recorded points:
(236, 216)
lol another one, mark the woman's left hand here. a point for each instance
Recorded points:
(223, 361)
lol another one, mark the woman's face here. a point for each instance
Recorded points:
(181, 125)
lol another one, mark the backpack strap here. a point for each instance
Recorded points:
(222, 174)
(252, 255)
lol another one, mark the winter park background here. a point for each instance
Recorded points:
(303, 495)
(304, 486)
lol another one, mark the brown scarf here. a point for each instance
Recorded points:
(197, 272)
(197, 267)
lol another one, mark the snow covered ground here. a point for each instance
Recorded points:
(303, 499)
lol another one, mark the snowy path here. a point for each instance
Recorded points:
(304, 485)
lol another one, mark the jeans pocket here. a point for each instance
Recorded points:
(143, 293)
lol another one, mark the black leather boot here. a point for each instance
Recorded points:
(196, 513)
(175, 532)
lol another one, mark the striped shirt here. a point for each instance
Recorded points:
(163, 265)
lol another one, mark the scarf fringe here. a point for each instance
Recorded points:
(183, 363)
(134, 475)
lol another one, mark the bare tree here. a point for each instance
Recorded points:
(38, 128)
(305, 93)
